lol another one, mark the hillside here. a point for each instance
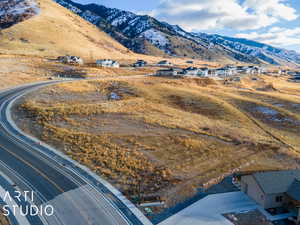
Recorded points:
(147, 35)
(51, 31)
(168, 137)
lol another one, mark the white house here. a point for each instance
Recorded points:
(107, 63)
(70, 59)
(224, 72)
(203, 72)
(192, 71)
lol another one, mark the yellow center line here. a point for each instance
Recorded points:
(34, 168)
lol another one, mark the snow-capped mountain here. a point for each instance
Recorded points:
(262, 51)
(15, 11)
(145, 34)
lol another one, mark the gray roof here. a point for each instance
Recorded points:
(294, 190)
(276, 181)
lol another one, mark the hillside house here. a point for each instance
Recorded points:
(191, 71)
(232, 70)
(164, 63)
(140, 63)
(244, 69)
(107, 63)
(274, 189)
(225, 72)
(212, 73)
(70, 60)
(203, 72)
(257, 70)
(170, 72)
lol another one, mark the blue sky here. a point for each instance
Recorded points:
(275, 22)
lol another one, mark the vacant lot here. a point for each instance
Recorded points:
(168, 137)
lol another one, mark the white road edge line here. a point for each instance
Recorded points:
(116, 192)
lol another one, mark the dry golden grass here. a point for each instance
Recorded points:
(4, 220)
(57, 31)
(174, 134)
(18, 70)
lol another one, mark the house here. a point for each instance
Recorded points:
(170, 72)
(107, 63)
(140, 63)
(225, 72)
(244, 69)
(257, 70)
(70, 59)
(190, 62)
(203, 72)
(164, 63)
(274, 189)
(192, 71)
(232, 70)
(212, 73)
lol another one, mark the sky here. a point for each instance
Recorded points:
(274, 22)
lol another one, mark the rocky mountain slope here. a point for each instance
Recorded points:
(145, 34)
(53, 31)
(15, 11)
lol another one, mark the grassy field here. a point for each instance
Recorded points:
(167, 137)
(18, 70)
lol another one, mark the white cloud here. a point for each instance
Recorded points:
(218, 14)
(277, 36)
(272, 8)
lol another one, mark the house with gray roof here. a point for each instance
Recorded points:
(274, 189)
(170, 72)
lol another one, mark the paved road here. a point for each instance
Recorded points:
(78, 197)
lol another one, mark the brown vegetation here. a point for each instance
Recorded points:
(166, 136)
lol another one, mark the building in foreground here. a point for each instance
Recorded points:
(274, 189)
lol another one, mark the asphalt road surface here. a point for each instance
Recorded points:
(78, 197)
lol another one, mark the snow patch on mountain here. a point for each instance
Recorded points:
(131, 30)
(155, 37)
(15, 11)
(17, 7)
(91, 17)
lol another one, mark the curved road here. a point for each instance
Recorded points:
(77, 196)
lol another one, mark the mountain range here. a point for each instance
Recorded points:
(15, 11)
(140, 33)
(147, 35)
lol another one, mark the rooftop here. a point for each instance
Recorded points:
(276, 181)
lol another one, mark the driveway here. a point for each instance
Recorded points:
(209, 210)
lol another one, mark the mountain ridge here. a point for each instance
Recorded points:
(54, 31)
(147, 35)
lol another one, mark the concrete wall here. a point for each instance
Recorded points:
(252, 189)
